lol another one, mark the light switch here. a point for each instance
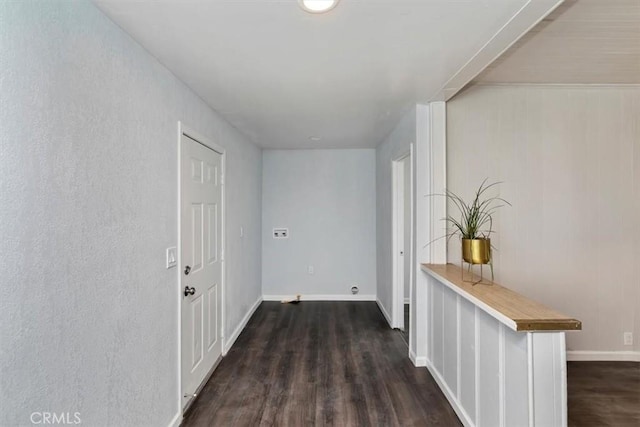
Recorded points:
(172, 257)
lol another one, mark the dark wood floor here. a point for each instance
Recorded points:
(603, 394)
(328, 363)
(320, 363)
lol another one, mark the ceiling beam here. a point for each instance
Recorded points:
(527, 17)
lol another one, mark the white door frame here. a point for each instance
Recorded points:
(186, 131)
(397, 233)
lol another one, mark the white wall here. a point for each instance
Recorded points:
(88, 204)
(570, 161)
(327, 199)
(394, 146)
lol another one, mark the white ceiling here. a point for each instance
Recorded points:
(281, 75)
(581, 42)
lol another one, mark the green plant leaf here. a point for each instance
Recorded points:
(475, 218)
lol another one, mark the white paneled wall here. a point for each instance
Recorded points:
(569, 157)
(491, 374)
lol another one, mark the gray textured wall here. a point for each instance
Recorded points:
(395, 145)
(88, 202)
(327, 200)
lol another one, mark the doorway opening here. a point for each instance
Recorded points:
(402, 241)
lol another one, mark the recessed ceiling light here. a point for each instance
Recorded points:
(317, 6)
(315, 138)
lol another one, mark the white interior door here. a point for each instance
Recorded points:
(201, 264)
(402, 239)
(398, 243)
(406, 223)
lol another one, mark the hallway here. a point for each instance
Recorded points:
(320, 363)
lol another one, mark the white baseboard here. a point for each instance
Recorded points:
(418, 362)
(176, 421)
(346, 297)
(603, 356)
(228, 343)
(385, 313)
(451, 397)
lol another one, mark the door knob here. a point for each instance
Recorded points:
(187, 270)
(189, 291)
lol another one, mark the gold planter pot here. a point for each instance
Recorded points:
(476, 251)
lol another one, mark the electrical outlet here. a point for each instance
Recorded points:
(628, 338)
(280, 233)
(311, 270)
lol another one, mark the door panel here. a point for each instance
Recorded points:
(196, 170)
(213, 319)
(212, 241)
(196, 328)
(201, 246)
(196, 237)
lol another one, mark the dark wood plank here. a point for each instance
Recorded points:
(320, 363)
(603, 394)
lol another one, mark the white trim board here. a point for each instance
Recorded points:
(451, 396)
(558, 85)
(243, 323)
(603, 356)
(385, 313)
(418, 362)
(176, 421)
(303, 297)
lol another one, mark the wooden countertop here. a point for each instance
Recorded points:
(514, 310)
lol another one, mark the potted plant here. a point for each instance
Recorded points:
(474, 224)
